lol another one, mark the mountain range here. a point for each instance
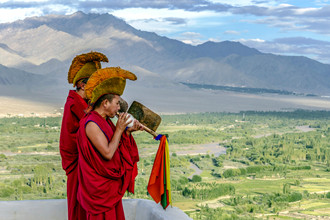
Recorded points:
(36, 53)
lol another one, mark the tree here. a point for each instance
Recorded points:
(286, 188)
(196, 178)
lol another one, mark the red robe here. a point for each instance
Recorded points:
(102, 183)
(73, 112)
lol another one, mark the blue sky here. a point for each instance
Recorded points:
(284, 27)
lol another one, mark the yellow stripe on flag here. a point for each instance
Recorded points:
(167, 164)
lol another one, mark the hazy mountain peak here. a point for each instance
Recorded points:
(226, 48)
(78, 14)
(47, 45)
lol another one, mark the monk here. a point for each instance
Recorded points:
(80, 70)
(73, 112)
(108, 154)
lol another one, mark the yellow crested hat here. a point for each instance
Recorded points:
(110, 80)
(84, 65)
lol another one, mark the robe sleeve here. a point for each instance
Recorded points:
(78, 111)
(129, 141)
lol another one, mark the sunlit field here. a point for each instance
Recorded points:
(245, 165)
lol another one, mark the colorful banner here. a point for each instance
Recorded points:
(159, 186)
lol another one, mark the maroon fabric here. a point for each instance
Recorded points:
(115, 213)
(102, 183)
(73, 112)
(75, 210)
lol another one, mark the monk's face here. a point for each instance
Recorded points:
(111, 108)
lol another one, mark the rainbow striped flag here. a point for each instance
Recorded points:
(159, 186)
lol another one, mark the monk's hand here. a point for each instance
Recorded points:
(122, 121)
(140, 126)
(136, 126)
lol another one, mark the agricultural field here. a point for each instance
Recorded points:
(247, 165)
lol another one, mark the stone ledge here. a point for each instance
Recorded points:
(56, 209)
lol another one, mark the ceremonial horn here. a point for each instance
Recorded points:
(145, 116)
(149, 119)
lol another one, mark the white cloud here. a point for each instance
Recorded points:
(214, 40)
(303, 47)
(191, 35)
(192, 38)
(19, 13)
(192, 41)
(231, 2)
(25, 1)
(231, 32)
(322, 2)
(195, 21)
(251, 40)
(157, 20)
(152, 13)
(10, 15)
(246, 2)
(302, 11)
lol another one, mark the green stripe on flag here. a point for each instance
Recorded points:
(163, 197)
